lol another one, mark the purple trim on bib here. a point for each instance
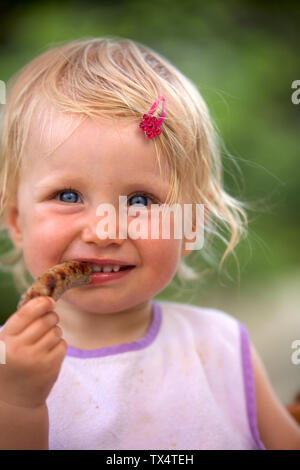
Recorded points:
(142, 343)
(249, 386)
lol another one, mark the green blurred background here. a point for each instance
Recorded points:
(243, 56)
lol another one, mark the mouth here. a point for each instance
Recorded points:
(108, 268)
(106, 273)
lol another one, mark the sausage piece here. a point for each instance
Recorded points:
(54, 282)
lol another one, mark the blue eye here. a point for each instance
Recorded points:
(139, 200)
(72, 196)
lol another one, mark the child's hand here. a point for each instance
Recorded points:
(34, 354)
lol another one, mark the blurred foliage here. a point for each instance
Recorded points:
(243, 56)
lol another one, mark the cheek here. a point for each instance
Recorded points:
(43, 237)
(161, 257)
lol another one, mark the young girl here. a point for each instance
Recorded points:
(106, 366)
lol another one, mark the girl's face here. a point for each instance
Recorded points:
(55, 217)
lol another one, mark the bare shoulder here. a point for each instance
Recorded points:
(278, 430)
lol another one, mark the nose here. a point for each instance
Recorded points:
(103, 227)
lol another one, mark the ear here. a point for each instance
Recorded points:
(187, 243)
(12, 222)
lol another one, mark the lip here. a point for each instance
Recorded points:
(105, 261)
(100, 278)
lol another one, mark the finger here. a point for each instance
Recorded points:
(34, 309)
(39, 327)
(49, 340)
(58, 352)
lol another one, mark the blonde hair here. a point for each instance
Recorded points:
(119, 78)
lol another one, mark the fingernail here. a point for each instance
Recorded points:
(52, 302)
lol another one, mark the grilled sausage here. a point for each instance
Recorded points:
(54, 282)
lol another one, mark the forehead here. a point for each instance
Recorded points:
(58, 141)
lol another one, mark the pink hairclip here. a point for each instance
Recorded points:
(151, 124)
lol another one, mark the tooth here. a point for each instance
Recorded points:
(96, 268)
(116, 268)
(107, 269)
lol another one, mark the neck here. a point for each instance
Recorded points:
(90, 330)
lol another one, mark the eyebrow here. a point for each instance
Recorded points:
(50, 181)
(68, 180)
